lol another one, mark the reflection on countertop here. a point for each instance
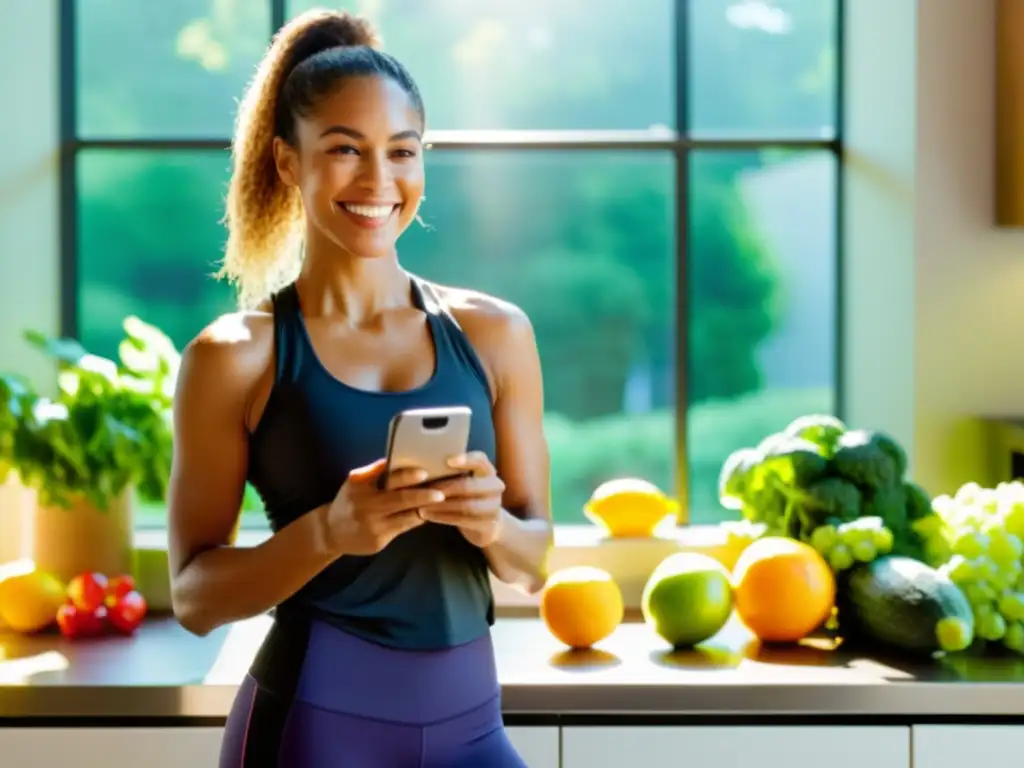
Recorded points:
(164, 672)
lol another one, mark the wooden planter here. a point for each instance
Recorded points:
(17, 504)
(81, 538)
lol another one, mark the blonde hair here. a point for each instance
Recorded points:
(264, 216)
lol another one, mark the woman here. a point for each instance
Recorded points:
(380, 652)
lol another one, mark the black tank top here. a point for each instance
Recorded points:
(429, 588)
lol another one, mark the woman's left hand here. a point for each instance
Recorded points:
(473, 502)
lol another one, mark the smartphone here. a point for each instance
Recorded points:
(426, 438)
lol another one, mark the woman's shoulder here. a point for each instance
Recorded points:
(499, 331)
(482, 313)
(236, 348)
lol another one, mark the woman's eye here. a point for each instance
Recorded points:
(343, 149)
(404, 153)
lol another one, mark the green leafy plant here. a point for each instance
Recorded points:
(17, 399)
(108, 427)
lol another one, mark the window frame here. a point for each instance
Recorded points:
(678, 141)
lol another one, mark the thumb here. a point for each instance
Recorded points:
(369, 472)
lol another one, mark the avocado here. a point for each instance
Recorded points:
(904, 604)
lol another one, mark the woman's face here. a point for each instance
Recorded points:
(359, 165)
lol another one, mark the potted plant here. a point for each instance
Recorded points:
(87, 451)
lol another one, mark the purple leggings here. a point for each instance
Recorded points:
(358, 704)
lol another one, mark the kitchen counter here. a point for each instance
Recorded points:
(163, 675)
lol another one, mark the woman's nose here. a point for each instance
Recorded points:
(375, 172)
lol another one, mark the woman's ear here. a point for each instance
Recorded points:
(286, 159)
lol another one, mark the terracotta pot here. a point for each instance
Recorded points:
(81, 538)
(17, 503)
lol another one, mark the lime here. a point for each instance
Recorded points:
(687, 599)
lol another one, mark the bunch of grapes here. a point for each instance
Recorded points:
(857, 541)
(976, 538)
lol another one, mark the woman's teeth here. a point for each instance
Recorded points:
(369, 211)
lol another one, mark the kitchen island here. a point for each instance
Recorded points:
(632, 701)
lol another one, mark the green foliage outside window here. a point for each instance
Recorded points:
(583, 240)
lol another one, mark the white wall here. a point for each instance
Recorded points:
(29, 232)
(970, 276)
(932, 290)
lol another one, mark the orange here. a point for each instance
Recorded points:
(783, 589)
(581, 606)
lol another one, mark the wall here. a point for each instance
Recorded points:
(929, 286)
(29, 234)
(29, 231)
(970, 276)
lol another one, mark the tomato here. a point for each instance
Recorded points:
(118, 587)
(87, 591)
(75, 622)
(127, 613)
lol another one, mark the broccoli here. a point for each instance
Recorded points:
(765, 482)
(792, 460)
(767, 505)
(869, 459)
(833, 497)
(823, 431)
(919, 503)
(888, 502)
(736, 477)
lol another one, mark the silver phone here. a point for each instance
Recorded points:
(426, 438)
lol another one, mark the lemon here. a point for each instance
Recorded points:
(628, 507)
(29, 597)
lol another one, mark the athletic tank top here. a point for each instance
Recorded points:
(429, 588)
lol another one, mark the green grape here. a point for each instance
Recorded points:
(970, 544)
(1005, 547)
(840, 558)
(992, 627)
(864, 551)
(928, 526)
(823, 538)
(848, 535)
(1006, 578)
(944, 506)
(959, 569)
(985, 569)
(1013, 518)
(976, 596)
(1013, 639)
(883, 541)
(1011, 606)
(954, 634)
(936, 552)
(968, 494)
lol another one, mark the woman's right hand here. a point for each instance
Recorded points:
(364, 518)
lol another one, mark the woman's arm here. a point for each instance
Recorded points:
(519, 556)
(214, 583)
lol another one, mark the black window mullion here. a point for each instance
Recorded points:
(682, 185)
(840, 215)
(68, 107)
(278, 11)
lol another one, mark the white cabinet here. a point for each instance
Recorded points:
(719, 746)
(179, 747)
(538, 746)
(109, 747)
(954, 746)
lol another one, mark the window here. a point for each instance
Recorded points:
(658, 191)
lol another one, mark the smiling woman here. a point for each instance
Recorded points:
(378, 586)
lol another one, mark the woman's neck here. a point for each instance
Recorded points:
(356, 288)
